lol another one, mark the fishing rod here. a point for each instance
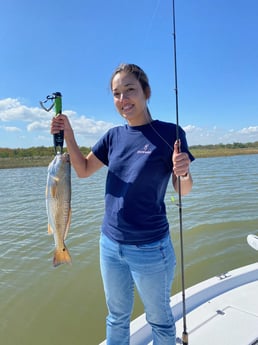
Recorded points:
(184, 334)
(56, 99)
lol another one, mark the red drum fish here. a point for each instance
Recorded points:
(58, 204)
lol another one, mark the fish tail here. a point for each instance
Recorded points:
(61, 256)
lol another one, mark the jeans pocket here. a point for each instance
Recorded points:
(160, 244)
(149, 246)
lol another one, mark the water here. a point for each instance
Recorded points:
(42, 305)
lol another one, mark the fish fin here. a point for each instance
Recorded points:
(68, 223)
(61, 256)
(54, 190)
(49, 230)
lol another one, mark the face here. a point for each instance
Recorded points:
(129, 99)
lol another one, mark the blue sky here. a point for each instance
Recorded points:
(74, 46)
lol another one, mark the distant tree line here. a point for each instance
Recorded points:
(39, 151)
(42, 151)
(236, 145)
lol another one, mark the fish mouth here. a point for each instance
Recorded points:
(66, 157)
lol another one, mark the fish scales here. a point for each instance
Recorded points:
(58, 204)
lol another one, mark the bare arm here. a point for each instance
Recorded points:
(84, 166)
(186, 183)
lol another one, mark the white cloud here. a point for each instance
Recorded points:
(38, 125)
(15, 115)
(211, 136)
(10, 129)
(249, 130)
(191, 128)
(12, 110)
(84, 125)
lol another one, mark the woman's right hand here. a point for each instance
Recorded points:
(84, 166)
(60, 123)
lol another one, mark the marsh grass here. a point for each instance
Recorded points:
(198, 152)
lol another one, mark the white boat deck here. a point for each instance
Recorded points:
(231, 318)
(222, 310)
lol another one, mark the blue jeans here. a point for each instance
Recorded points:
(151, 268)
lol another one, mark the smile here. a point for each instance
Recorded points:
(127, 107)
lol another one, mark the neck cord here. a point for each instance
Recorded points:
(184, 334)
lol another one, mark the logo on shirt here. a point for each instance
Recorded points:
(146, 150)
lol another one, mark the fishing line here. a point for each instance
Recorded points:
(184, 334)
(152, 20)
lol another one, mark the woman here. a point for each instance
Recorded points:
(135, 245)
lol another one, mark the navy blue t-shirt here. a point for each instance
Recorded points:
(139, 161)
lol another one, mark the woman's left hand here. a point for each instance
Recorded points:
(181, 161)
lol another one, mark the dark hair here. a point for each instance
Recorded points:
(139, 74)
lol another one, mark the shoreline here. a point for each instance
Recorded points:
(38, 161)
